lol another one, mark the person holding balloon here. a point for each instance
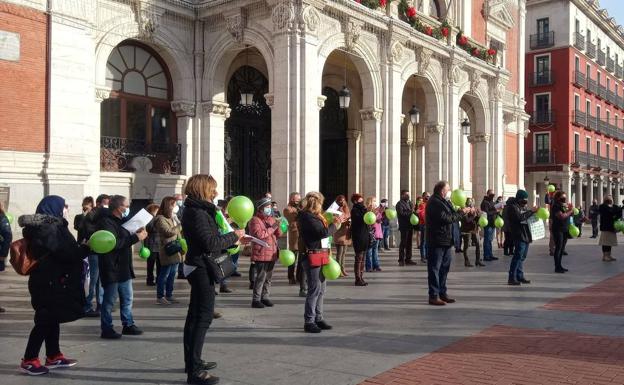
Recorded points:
(489, 208)
(204, 239)
(609, 215)
(315, 230)
(373, 218)
(360, 236)
(170, 251)
(405, 209)
(295, 272)
(342, 237)
(560, 212)
(264, 227)
(470, 234)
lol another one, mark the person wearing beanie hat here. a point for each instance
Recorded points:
(264, 227)
(517, 214)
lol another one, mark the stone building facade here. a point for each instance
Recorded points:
(142, 94)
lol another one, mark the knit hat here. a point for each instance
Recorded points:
(262, 202)
(521, 195)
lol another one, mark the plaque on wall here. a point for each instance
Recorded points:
(9, 46)
(4, 196)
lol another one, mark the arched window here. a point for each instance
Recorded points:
(136, 120)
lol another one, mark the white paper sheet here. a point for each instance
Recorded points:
(325, 243)
(141, 219)
(188, 269)
(256, 240)
(334, 209)
(499, 206)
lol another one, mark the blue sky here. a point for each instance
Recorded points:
(615, 8)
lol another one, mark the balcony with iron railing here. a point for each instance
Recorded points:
(542, 117)
(542, 40)
(610, 64)
(587, 160)
(601, 57)
(592, 86)
(580, 118)
(540, 158)
(601, 92)
(591, 49)
(609, 96)
(116, 154)
(619, 72)
(602, 126)
(579, 41)
(592, 122)
(579, 79)
(542, 78)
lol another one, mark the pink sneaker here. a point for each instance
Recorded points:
(59, 361)
(33, 367)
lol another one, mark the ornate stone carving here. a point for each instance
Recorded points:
(497, 87)
(354, 134)
(235, 25)
(509, 118)
(352, 30)
(453, 72)
(423, 57)
(148, 20)
(270, 100)
(320, 101)
(283, 16)
(526, 132)
(435, 128)
(311, 19)
(216, 108)
(475, 80)
(183, 108)
(371, 114)
(102, 93)
(479, 138)
(396, 52)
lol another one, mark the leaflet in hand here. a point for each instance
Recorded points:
(256, 240)
(334, 209)
(140, 219)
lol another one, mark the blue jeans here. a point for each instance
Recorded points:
(386, 236)
(167, 275)
(235, 263)
(111, 290)
(438, 265)
(372, 256)
(516, 273)
(95, 286)
(488, 236)
(423, 243)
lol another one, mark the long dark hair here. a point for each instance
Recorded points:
(166, 207)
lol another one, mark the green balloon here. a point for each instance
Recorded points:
(618, 225)
(551, 188)
(286, 258)
(329, 217)
(183, 244)
(370, 218)
(144, 253)
(284, 225)
(233, 250)
(483, 221)
(9, 217)
(414, 220)
(331, 271)
(391, 213)
(575, 211)
(241, 210)
(574, 231)
(102, 242)
(458, 197)
(499, 222)
(542, 213)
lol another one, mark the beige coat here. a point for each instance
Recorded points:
(168, 231)
(291, 213)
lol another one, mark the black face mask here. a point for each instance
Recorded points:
(522, 203)
(563, 200)
(405, 197)
(491, 196)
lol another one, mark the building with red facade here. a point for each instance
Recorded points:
(575, 96)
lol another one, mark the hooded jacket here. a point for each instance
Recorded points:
(516, 217)
(116, 266)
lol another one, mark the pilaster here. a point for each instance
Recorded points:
(210, 154)
(371, 151)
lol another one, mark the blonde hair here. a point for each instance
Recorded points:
(369, 202)
(313, 203)
(202, 187)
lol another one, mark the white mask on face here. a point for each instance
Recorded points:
(448, 195)
(105, 206)
(126, 212)
(176, 209)
(65, 212)
(179, 202)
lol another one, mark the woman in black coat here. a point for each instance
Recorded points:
(55, 284)
(204, 241)
(360, 237)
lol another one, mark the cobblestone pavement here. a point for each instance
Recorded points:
(526, 335)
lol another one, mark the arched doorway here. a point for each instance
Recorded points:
(334, 147)
(474, 146)
(136, 120)
(248, 135)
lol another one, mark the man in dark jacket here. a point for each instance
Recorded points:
(594, 215)
(439, 219)
(405, 209)
(508, 244)
(517, 214)
(87, 225)
(116, 271)
(488, 207)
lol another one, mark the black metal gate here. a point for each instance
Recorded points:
(334, 148)
(248, 136)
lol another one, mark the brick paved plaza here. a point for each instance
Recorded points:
(561, 329)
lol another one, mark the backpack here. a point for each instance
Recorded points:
(21, 257)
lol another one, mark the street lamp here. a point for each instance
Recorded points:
(163, 122)
(546, 180)
(414, 114)
(465, 125)
(344, 97)
(246, 95)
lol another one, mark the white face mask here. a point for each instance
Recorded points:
(179, 202)
(448, 195)
(126, 212)
(176, 209)
(105, 206)
(65, 212)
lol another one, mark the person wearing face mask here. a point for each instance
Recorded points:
(264, 227)
(168, 228)
(489, 207)
(560, 212)
(116, 270)
(609, 213)
(180, 203)
(295, 271)
(405, 209)
(440, 217)
(342, 237)
(517, 214)
(420, 212)
(470, 234)
(385, 225)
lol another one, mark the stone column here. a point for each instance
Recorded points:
(185, 111)
(433, 168)
(578, 189)
(590, 190)
(480, 154)
(451, 156)
(496, 165)
(617, 197)
(530, 189)
(393, 117)
(371, 130)
(353, 143)
(522, 135)
(600, 196)
(211, 150)
(407, 162)
(419, 169)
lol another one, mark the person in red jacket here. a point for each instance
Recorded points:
(264, 227)
(420, 212)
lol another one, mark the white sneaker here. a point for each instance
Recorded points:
(162, 301)
(172, 300)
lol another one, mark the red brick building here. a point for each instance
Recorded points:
(575, 96)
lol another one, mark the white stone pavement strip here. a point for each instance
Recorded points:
(375, 328)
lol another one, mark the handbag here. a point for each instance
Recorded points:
(173, 247)
(220, 266)
(22, 259)
(318, 257)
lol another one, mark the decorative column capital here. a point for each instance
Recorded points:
(283, 16)
(526, 132)
(353, 134)
(435, 128)
(320, 101)
(423, 57)
(407, 141)
(371, 114)
(235, 23)
(183, 108)
(269, 98)
(479, 138)
(101, 93)
(215, 108)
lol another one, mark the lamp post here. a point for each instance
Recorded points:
(414, 114)
(465, 125)
(344, 97)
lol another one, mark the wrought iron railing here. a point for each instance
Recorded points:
(610, 65)
(540, 157)
(601, 57)
(542, 117)
(116, 154)
(542, 78)
(619, 72)
(591, 49)
(592, 86)
(580, 79)
(602, 91)
(592, 122)
(611, 97)
(580, 118)
(579, 41)
(542, 40)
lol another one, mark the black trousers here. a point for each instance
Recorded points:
(405, 247)
(508, 244)
(44, 330)
(560, 242)
(198, 318)
(152, 261)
